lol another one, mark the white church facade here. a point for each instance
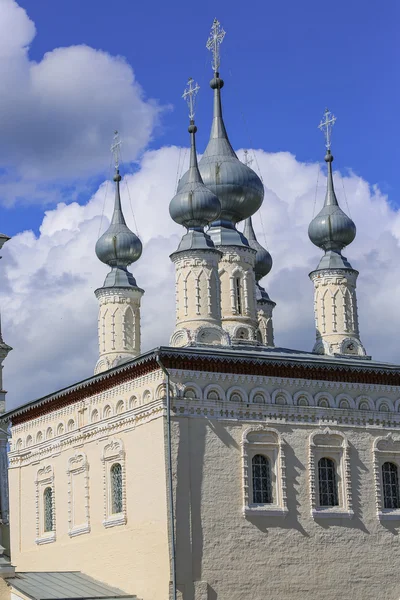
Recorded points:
(220, 466)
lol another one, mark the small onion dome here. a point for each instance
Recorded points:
(238, 188)
(331, 229)
(118, 246)
(194, 205)
(263, 263)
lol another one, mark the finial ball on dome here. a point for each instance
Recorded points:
(216, 82)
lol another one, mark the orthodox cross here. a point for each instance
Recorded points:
(247, 160)
(189, 95)
(116, 149)
(217, 35)
(326, 127)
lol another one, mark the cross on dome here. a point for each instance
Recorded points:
(326, 127)
(214, 41)
(189, 95)
(116, 149)
(247, 159)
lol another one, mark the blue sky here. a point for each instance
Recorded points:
(282, 62)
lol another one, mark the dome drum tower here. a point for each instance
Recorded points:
(335, 301)
(119, 298)
(198, 297)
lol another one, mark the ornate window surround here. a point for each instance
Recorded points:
(336, 447)
(44, 479)
(268, 442)
(78, 464)
(385, 448)
(113, 452)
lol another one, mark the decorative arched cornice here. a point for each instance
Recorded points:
(303, 394)
(237, 389)
(349, 399)
(214, 387)
(263, 392)
(284, 393)
(384, 401)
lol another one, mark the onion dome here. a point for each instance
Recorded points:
(118, 247)
(263, 263)
(331, 229)
(194, 206)
(237, 186)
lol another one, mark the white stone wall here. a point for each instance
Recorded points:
(265, 324)
(198, 298)
(118, 326)
(238, 264)
(336, 316)
(222, 551)
(71, 449)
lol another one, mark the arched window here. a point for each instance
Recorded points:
(116, 488)
(390, 479)
(71, 425)
(120, 407)
(95, 416)
(328, 492)
(238, 295)
(48, 509)
(262, 488)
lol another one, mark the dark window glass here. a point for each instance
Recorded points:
(390, 479)
(48, 509)
(262, 489)
(238, 295)
(328, 492)
(116, 488)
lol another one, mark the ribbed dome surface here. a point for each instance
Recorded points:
(263, 264)
(331, 229)
(194, 205)
(118, 246)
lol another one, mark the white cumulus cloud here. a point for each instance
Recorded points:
(57, 115)
(47, 282)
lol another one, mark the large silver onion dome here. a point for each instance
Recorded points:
(331, 229)
(194, 205)
(263, 264)
(239, 189)
(118, 246)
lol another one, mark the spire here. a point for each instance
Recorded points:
(194, 206)
(331, 230)
(118, 247)
(238, 188)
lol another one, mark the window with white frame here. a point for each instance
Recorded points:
(114, 484)
(264, 472)
(386, 455)
(45, 506)
(78, 495)
(330, 475)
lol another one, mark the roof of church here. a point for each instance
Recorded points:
(64, 585)
(240, 359)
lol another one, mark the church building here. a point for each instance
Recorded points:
(219, 467)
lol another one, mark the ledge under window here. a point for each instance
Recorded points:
(46, 538)
(265, 510)
(79, 530)
(332, 513)
(389, 515)
(115, 520)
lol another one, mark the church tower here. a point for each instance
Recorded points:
(119, 298)
(335, 301)
(240, 192)
(262, 267)
(198, 298)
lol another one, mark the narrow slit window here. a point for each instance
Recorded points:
(238, 295)
(328, 491)
(390, 479)
(116, 488)
(48, 510)
(262, 488)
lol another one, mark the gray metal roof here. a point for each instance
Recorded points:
(118, 247)
(332, 229)
(249, 354)
(263, 263)
(64, 585)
